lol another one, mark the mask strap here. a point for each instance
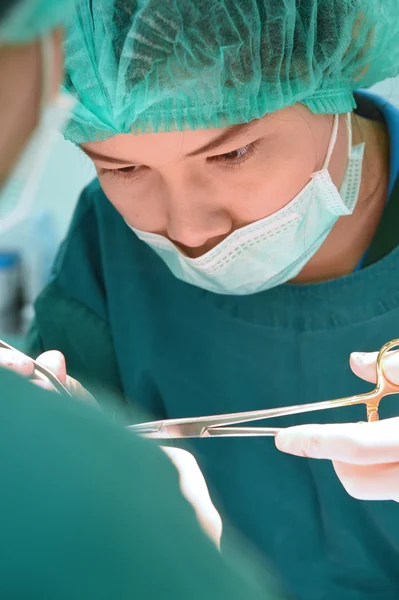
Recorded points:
(332, 143)
(349, 129)
(46, 45)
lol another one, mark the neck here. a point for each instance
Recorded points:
(352, 235)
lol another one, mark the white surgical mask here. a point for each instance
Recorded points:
(19, 191)
(274, 250)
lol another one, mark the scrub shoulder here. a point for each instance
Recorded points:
(82, 515)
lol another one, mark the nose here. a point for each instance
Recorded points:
(195, 218)
(198, 230)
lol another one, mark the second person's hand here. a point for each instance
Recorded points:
(192, 482)
(54, 361)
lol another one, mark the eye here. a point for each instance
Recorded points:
(131, 169)
(235, 157)
(124, 173)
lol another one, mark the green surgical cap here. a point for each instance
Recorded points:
(162, 65)
(27, 20)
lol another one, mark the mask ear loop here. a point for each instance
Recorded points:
(333, 140)
(349, 129)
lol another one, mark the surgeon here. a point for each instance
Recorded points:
(87, 510)
(225, 258)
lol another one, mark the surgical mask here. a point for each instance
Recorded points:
(20, 190)
(272, 251)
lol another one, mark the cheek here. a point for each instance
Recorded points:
(19, 102)
(138, 206)
(58, 66)
(271, 188)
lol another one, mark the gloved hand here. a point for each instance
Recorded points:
(195, 490)
(53, 360)
(365, 455)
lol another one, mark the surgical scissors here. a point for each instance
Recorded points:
(220, 425)
(41, 372)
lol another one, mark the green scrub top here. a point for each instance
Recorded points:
(88, 511)
(174, 350)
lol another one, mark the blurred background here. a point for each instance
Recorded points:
(27, 252)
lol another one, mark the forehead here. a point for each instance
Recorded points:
(185, 142)
(153, 148)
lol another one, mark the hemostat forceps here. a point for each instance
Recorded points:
(223, 425)
(42, 372)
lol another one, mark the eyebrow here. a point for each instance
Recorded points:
(227, 136)
(110, 159)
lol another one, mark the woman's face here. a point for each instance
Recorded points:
(196, 187)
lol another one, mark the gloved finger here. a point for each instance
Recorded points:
(369, 482)
(354, 443)
(17, 362)
(78, 391)
(195, 490)
(44, 385)
(73, 386)
(55, 362)
(363, 364)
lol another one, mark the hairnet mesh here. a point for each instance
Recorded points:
(163, 65)
(26, 20)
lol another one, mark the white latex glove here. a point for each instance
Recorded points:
(365, 455)
(195, 490)
(53, 360)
